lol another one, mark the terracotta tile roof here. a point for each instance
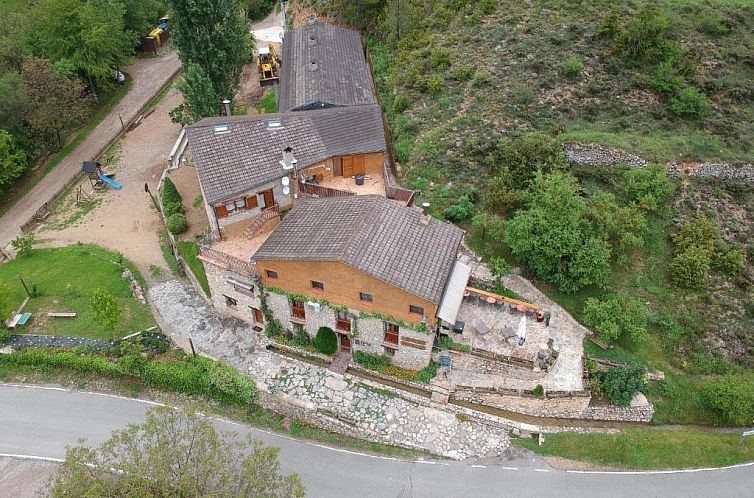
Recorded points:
(247, 153)
(372, 234)
(324, 66)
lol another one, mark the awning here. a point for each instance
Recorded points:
(451, 300)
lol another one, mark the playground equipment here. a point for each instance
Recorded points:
(157, 36)
(97, 178)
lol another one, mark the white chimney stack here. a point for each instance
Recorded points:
(228, 108)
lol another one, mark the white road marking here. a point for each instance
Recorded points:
(509, 468)
(541, 470)
(32, 457)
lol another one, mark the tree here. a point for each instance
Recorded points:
(616, 316)
(621, 383)
(695, 246)
(214, 35)
(14, 46)
(553, 237)
(12, 161)
(13, 103)
(200, 100)
(90, 34)
(623, 227)
(140, 16)
(326, 341)
(56, 103)
(175, 453)
(732, 397)
(107, 311)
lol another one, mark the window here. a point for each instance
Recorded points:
(229, 301)
(272, 274)
(391, 333)
(415, 310)
(318, 286)
(342, 321)
(367, 298)
(297, 310)
(388, 351)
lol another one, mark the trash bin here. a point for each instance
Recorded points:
(359, 180)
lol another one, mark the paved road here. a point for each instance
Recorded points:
(149, 74)
(41, 422)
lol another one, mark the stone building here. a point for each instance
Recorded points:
(370, 269)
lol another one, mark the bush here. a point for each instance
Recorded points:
(616, 316)
(23, 244)
(273, 328)
(481, 79)
(690, 267)
(426, 374)
(522, 157)
(644, 38)
(172, 208)
(648, 187)
(732, 397)
(728, 260)
(326, 341)
(571, 68)
(445, 342)
(689, 103)
(401, 102)
(538, 391)
(461, 211)
(177, 224)
(257, 9)
(621, 383)
(371, 361)
(170, 193)
(302, 340)
(667, 79)
(231, 384)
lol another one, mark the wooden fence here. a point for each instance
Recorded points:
(314, 190)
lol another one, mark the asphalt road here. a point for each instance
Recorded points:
(43, 421)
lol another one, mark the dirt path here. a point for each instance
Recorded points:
(149, 74)
(125, 220)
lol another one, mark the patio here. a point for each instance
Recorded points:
(373, 184)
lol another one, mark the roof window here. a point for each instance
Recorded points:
(221, 129)
(274, 124)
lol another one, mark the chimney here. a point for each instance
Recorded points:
(425, 217)
(288, 161)
(228, 109)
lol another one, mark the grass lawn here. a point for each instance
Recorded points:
(8, 197)
(647, 449)
(189, 250)
(268, 103)
(65, 278)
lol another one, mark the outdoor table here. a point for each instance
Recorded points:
(491, 300)
(481, 327)
(508, 332)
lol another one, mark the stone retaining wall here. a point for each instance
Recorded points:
(576, 407)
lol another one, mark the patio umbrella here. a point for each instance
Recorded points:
(521, 332)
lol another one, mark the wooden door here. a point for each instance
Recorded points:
(258, 315)
(269, 198)
(358, 165)
(345, 342)
(347, 163)
(251, 202)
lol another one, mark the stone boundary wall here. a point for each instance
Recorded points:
(598, 155)
(389, 378)
(575, 407)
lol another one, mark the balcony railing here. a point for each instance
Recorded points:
(393, 191)
(391, 338)
(343, 325)
(267, 214)
(227, 261)
(315, 190)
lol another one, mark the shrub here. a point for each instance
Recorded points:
(524, 156)
(644, 38)
(538, 391)
(172, 208)
(728, 260)
(439, 59)
(712, 24)
(371, 361)
(426, 374)
(177, 224)
(621, 383)
(107, 311)
(257, 9)
(326, 341)
(732, 397)
(571, 68)
(23, 244)
(462, 73)
(231, 384)
(690, 267)
(667, 78)
(648, 187)
(445, 342)
(435, 84)
(302, 340)
(170, 193)
(616, 316)
(481, 79)
(401, 102)
(273, 328)
(689, 103)
(462, 210)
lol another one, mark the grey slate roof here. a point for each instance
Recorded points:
(339, 77)
(372, 234)
(249, 155)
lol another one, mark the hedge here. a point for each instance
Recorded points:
(326, 341)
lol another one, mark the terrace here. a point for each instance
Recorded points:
(233, 254)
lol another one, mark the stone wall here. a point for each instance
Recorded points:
(371, 333)
(408, 354)
(573, 407)
(220, 287)
(280, 308)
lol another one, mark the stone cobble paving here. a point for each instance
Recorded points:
(372, 412)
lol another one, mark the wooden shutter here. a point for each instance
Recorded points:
(221, 211)
(251, 202)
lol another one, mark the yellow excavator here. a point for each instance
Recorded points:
(267, 63)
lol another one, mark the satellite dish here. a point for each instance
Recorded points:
(286, 189)
(286, 181)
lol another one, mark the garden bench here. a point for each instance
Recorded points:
(61, 314)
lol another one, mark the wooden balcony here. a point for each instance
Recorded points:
(298, 314)
(343, 325)
(314, 190)
(390, 338)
